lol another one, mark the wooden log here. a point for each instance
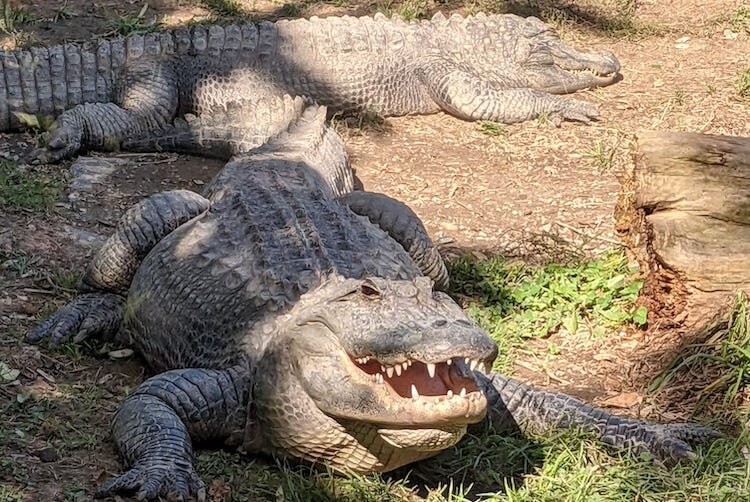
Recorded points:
(694, 190)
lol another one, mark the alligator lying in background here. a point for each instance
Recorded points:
(295, 317)
(502, 68)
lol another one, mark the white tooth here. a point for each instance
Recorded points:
(389, 371)
(474, 364)
(410, 362)
(382, 368)
(467, 360)
(463, 392)
(405, 365)
(449, 362)
(431, 370)
(414, 393)
(398, 369)
(380, 378)
(449, 394)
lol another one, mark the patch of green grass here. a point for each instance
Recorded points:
(601, 155)
(22, 188)
(74, 491)
(65, 280)
(740, 19)
(356, 125)
(303, 484)
(491, 128)
(248, 478)
(19, 265)
(12, 17)
(22, 419)
(129, 24)
(64, 12)
(559, 465)
(407, 9)
(226, 8)
(727, 351)
(615, 18)
(679, 96)
(292, 10)
(72, 351)
(743, 83)
(10, 493)
(16, 471)
(513, 301)
(576, 467)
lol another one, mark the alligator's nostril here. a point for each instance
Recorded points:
(439, 323)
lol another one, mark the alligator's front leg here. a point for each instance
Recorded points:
(148, 99)
(403, 225)
(515, 405)
(97, 311)
(460, 92)
(156, 425)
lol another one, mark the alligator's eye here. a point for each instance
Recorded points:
(369, 290)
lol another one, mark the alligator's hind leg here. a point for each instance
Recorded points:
(156, 425)
(515, 405)
(98, 310)
(468, 96)
(404, 226)
(147, 99)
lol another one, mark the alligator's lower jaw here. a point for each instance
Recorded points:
(423, 439)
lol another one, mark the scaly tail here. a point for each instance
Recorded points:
(309, 139)
(513, 404)
(235, 128)
(49, 80)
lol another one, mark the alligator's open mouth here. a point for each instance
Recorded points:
(428, 383)
(591, 72)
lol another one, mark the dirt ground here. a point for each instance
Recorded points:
(530, 190)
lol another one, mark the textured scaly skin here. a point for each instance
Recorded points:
(502, 68)
(272, 311)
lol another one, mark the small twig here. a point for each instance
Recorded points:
(40, 291)
(586, 234)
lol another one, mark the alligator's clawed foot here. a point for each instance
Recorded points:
(671, 443)
(575, 110)
(95, 314)
(61, 143)
(173, 482)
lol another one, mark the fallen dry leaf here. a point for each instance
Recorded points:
(623, 400)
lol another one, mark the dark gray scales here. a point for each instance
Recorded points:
(293, 317)
(501, 67)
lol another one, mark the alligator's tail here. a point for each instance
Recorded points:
(312, 139)
(49, 80)
(305, 138)
(236, 127)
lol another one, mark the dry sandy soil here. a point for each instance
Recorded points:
(530, 190)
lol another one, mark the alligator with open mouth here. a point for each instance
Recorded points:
(293, 316)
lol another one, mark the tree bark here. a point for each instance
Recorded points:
(694, 190)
